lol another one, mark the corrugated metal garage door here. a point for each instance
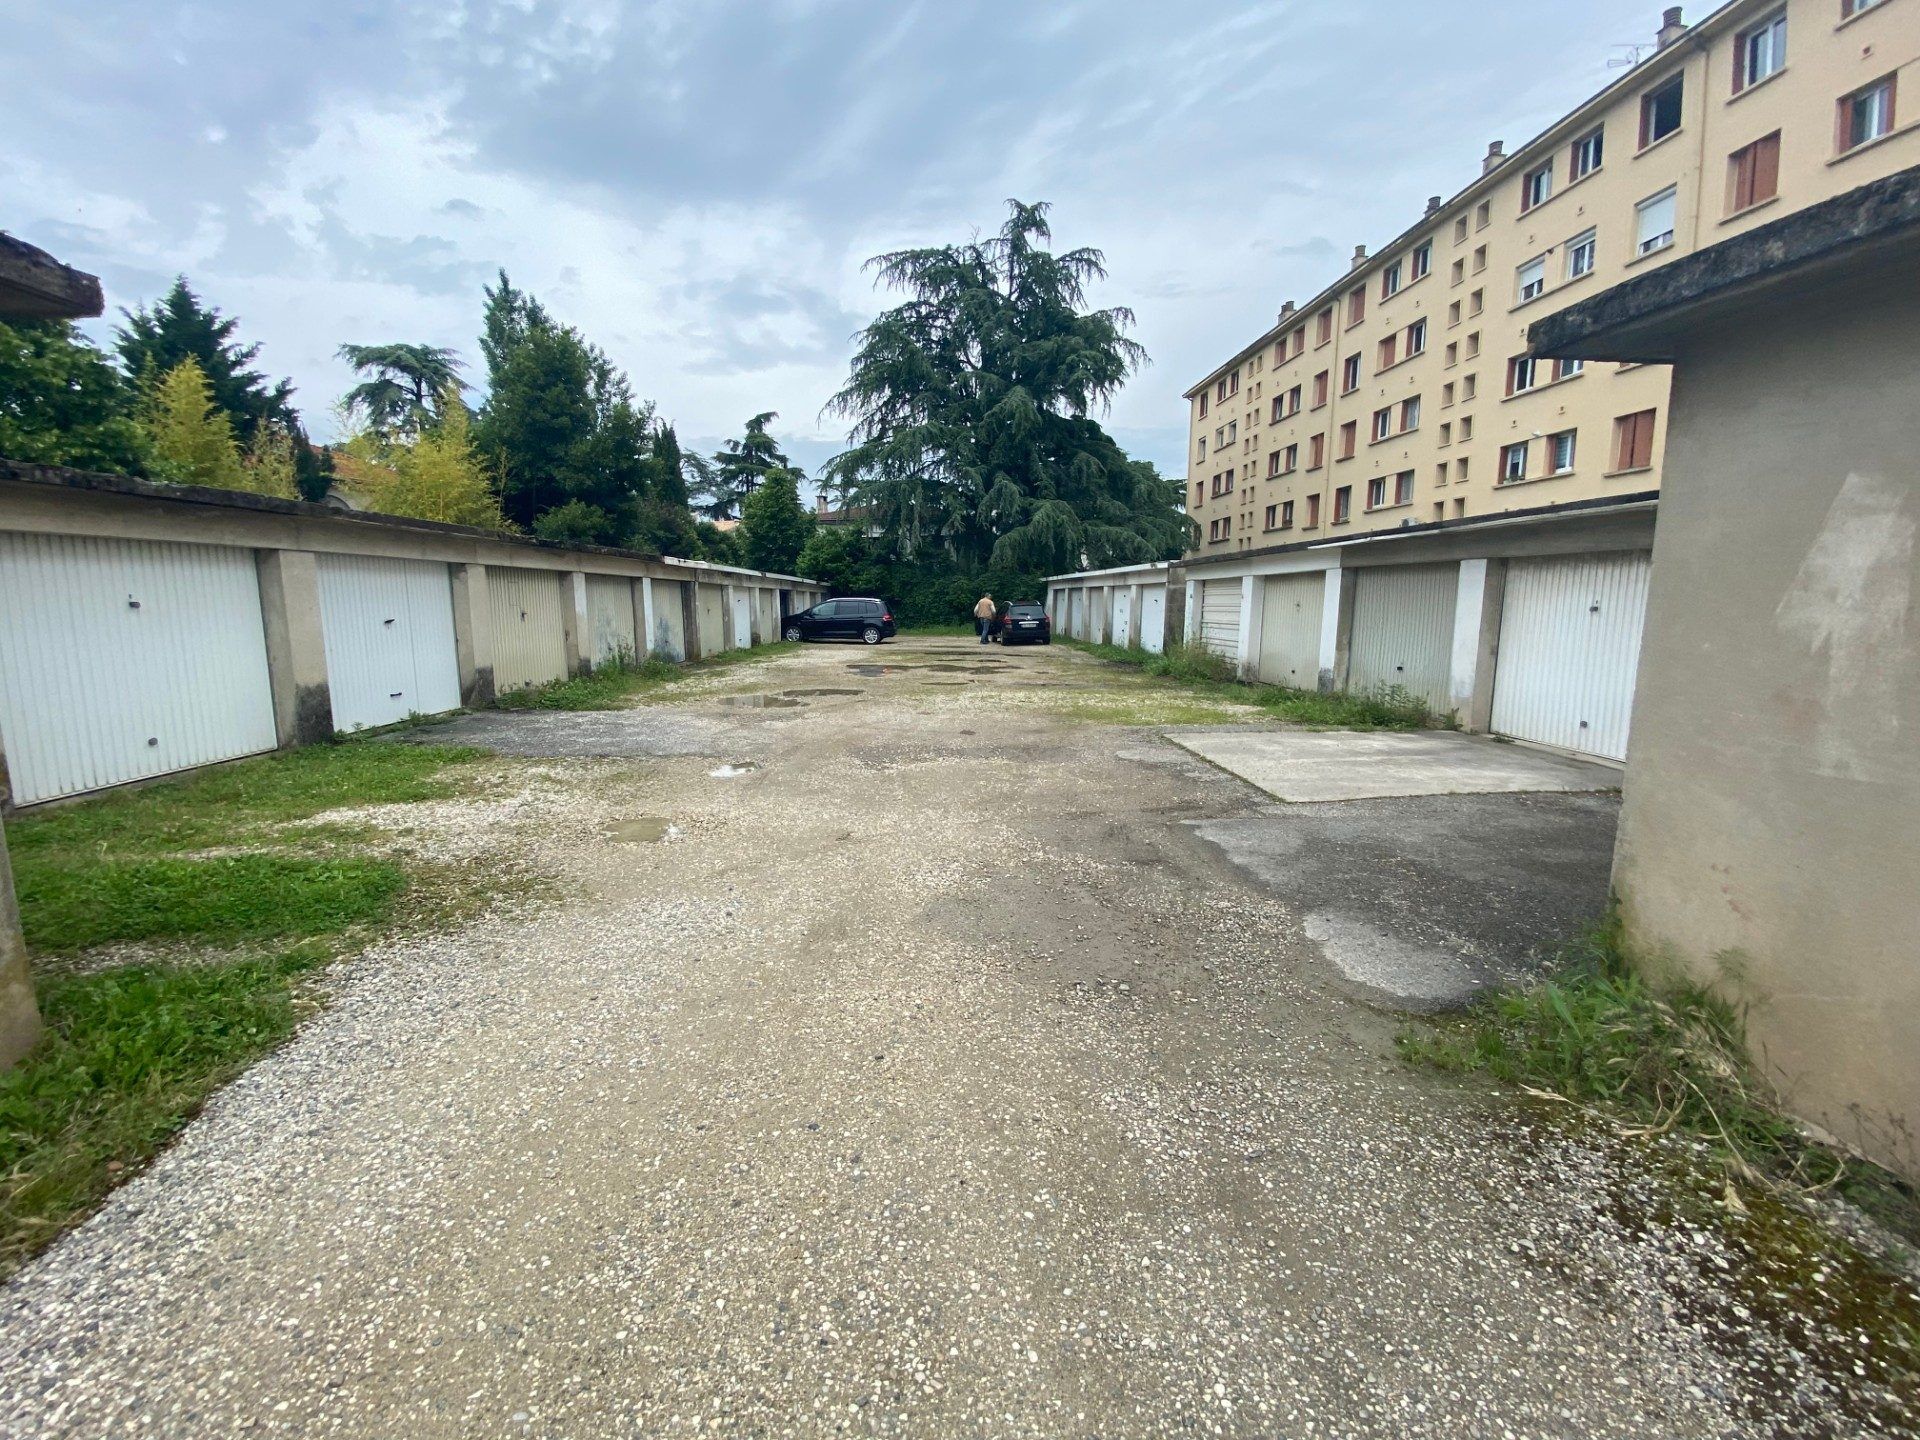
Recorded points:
(1403, 631)
(1570, 650)
(1122, 629)
(529, 643)
(610, 617)
(1290, 630)
(388, 629)
(1153, 619)
(669, 620)
(121, 659)
(1077, 613)
(713, 627)
(766, 616)
(1220, 617)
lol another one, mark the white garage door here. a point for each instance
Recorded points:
(1570, 651)
(1153, 619)
(1403, 631)
(529, 641)
(610, 617)
(669, 636)
(1122, 631)
(121, 659)
(388, 629)
(713, 615)
(1290, 630)
(1220, 617)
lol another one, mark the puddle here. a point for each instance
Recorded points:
(823, 690)
(732, 769)
(949, 682)
(759, 702)
(871, 670)
(977, 667)
(644, 830)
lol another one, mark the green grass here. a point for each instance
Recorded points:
(217, 867)
(1653, 1059)
(1204, 674)
(621, 682)
(129, 1056)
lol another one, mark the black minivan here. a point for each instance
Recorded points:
(851, 617)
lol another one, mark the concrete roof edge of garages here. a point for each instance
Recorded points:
(35, 286)
(1644, 318)
(1539, 514)
(61, 477)
(1145, 568)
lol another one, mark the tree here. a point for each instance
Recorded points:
(436, 476)
(722, 547)
(970, 407)
(189, 438)
(841, 558)
(179, 326)
(739, 466)
(62, 402)
(269, 465)
(405, 388)
(774, 525)
(670, 468)
(573, 524)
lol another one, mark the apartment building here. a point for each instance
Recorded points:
(1402, 394)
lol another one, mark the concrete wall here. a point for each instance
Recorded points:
(1770, 837)
(586, 618)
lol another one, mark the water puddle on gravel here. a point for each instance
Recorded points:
(732, 770)
(759, 702)
(873, 670)
(643, 830)
(821, 691)
(975, 667)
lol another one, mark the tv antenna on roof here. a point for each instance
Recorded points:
(1631, 56)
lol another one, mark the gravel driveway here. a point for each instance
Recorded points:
(933, 1077)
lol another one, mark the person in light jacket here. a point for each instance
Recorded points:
(983, 617)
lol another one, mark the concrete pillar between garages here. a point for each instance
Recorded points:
(1190, 622)
(643, 617)
(576, 629)
(1136, 616)
(19, 1015)
(1252, 612)
(296, 651)
(473, 635)
(1336, 627)
(1476, 632)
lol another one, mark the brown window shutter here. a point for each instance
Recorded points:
(1766, 166)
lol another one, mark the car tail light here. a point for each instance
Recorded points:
(887, 615)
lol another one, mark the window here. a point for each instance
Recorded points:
(1479, 259)
(1233, 383)
(1521, 374)
(1483, 215)
(1320, 389)
(1660, 110)
(1453, 314)
(1387, 352)
(1653, 222)
(1199, 493)
(1446, 434)
(1286, 514)
(1851, 8)
(1410, 414)
(1567, 369)
(1513, 462)
(1383, 422)
(1313, 512)
(1581, 250)
(1866, 114)
(1273, 464)
(1446, 394)
(1324, 326)
(1633, 441)
(1233, 431)
(1343, 505)
(1280, 350)
(1316, 450)
(1453, 354)
(1390, 281)
(1460, 230)
(1403, 488)
(1416, 338)
(1349, 437)
(1350, 374)
(1376, 492)
(1292, 460)
(1286, 405)
(1586, 155)
(1357, 306)
(1460, 470)
(1473, 344)
(1293, 401)
(1535, 187)
(1459, 273)
(1273, 517)
(1203, 404)
(1560, 453)
(1759, 52)
(1476, 302)
(1467, 388)
(1422, 259)
(1300, 342)
(1466, 428)
(1533, 278)
(1753, 173)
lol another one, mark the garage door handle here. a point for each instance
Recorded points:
(395, 695)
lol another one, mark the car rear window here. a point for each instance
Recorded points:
(1026, 612)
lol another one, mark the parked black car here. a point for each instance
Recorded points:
(851, 617)
(1026, 624)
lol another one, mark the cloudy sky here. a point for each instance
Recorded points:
(695, 183)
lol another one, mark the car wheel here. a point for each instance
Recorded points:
(793, 632)
(870, 635)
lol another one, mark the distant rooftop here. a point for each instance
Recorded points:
(35, 286)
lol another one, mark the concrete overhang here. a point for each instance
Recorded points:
(35, 286)
(1650, 318)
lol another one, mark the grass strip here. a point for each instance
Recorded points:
(620, 682)
(1203, 673)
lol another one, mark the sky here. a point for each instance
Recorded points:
(695, 184)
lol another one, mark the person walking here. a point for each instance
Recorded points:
(983, 617)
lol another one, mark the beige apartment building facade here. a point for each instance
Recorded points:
(1402, 394)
